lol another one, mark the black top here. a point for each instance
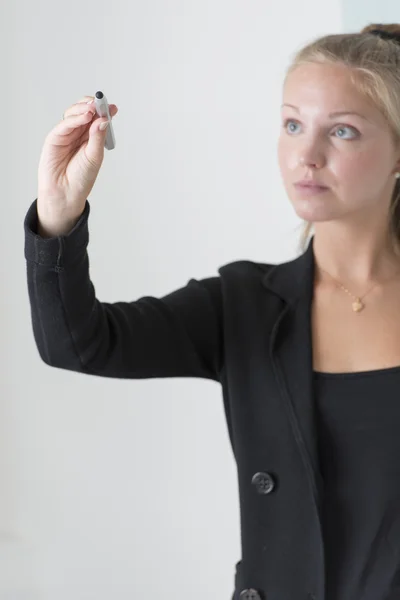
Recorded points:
(358, 418)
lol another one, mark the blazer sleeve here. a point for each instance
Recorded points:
(178, 335)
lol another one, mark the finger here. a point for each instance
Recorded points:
(82, 107)
(85, 99)
(89, 130)
(86, 117)
(71, 122)
(111, 107)
(79, 106)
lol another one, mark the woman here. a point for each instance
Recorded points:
(303, 349)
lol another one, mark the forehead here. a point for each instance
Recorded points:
(325, 87)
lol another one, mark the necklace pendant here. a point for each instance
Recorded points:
(357, 305)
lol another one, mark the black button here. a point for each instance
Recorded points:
(249, 595)
(264, 482)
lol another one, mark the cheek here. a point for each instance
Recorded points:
(360, 170)
(368, 158)
(285, 156)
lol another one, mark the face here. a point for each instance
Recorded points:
(354, 156)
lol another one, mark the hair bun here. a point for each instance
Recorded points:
(385, 32)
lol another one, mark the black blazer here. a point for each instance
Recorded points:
(247, 328)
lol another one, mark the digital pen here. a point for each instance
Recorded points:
(102, 109)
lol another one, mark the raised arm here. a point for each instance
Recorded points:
(178, 335)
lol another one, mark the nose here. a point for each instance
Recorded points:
(308, 159)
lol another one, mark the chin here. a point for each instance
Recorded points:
(313, 211)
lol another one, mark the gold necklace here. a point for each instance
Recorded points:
(357, 306)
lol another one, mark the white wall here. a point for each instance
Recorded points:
(127, 489)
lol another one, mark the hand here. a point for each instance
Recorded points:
(70, 161)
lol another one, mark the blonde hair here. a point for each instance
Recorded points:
(374, 65)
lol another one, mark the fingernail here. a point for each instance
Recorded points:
(90, 102)
(103, 125)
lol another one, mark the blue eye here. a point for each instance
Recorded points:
(339, 128)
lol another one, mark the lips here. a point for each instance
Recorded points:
(311, 186)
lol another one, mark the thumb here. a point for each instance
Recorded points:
(95, 145)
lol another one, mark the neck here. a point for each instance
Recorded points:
(357, 258)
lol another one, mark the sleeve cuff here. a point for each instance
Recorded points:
(56, 251)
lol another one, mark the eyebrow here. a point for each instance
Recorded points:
(333, 114)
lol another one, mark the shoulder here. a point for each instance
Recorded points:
(244, 278)
(245, 269)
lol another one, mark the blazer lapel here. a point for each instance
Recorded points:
(292, 356)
